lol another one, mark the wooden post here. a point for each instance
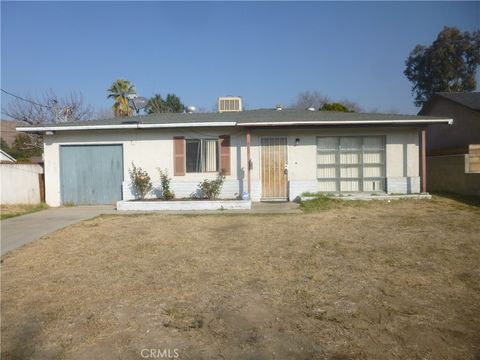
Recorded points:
(424, 162)
(41, 186)
(249, 178)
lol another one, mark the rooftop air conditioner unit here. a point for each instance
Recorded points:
(229, 104)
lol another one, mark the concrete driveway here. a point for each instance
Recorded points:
(23, 229)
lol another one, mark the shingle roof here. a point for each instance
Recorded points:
(468, 99)
(250, 117)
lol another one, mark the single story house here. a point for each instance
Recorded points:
(269, 154)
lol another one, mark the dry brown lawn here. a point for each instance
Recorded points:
(397, 280)
(8, 211)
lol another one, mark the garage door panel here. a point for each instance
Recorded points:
(91, 174)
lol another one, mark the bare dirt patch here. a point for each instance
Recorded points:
(395, 280)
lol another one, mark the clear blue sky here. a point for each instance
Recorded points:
(266, 52)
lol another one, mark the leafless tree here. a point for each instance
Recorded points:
(105, 113)
(392, 110)
(306, 99)
(351, 105)
(45, 109)
(48, 108)
(376, 110)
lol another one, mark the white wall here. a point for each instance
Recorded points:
(402, 156)
(153, 148)
(149, 149)
(20, 183)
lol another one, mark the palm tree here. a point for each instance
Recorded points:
(119, 91)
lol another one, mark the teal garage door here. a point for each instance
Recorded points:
(91, 174)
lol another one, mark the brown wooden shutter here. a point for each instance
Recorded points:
(178, 155)
(225, 154)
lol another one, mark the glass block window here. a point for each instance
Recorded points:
(351, 163)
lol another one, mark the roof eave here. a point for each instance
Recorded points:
(352, 122)
(40, 129)
(124, 126)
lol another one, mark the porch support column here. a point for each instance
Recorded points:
(424, 161)
(249, 177)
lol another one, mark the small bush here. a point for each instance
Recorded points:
(210, 189)
(167, 193)
(334, 107)
(141, 181)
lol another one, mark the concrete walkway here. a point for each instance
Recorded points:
(21, 230)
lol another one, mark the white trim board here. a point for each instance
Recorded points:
(231, 124)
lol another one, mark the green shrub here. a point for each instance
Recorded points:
(334, 107)
(167, 193)
(210, 189)
(141, 181)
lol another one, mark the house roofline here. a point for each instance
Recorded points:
(124, 126)
(441, 96)
(351, 122)
(233, 124)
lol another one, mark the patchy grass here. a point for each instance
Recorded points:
(321, 202)
(458, 200)
(380, 280)
(319, 194)
(9, 211)
(326, 202)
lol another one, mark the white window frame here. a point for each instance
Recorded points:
(202, 155)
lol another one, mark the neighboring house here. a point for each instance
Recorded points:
(270, 154)
(9, 133)
(453, 152)
(20, 182)
(4, 157)
(7, 130)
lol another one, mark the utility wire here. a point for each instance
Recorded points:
(27, 100)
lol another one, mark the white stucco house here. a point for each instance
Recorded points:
(269, 154)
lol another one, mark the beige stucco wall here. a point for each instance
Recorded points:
(153, 148)
(401, 149)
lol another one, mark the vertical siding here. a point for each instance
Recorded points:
(91, 174)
